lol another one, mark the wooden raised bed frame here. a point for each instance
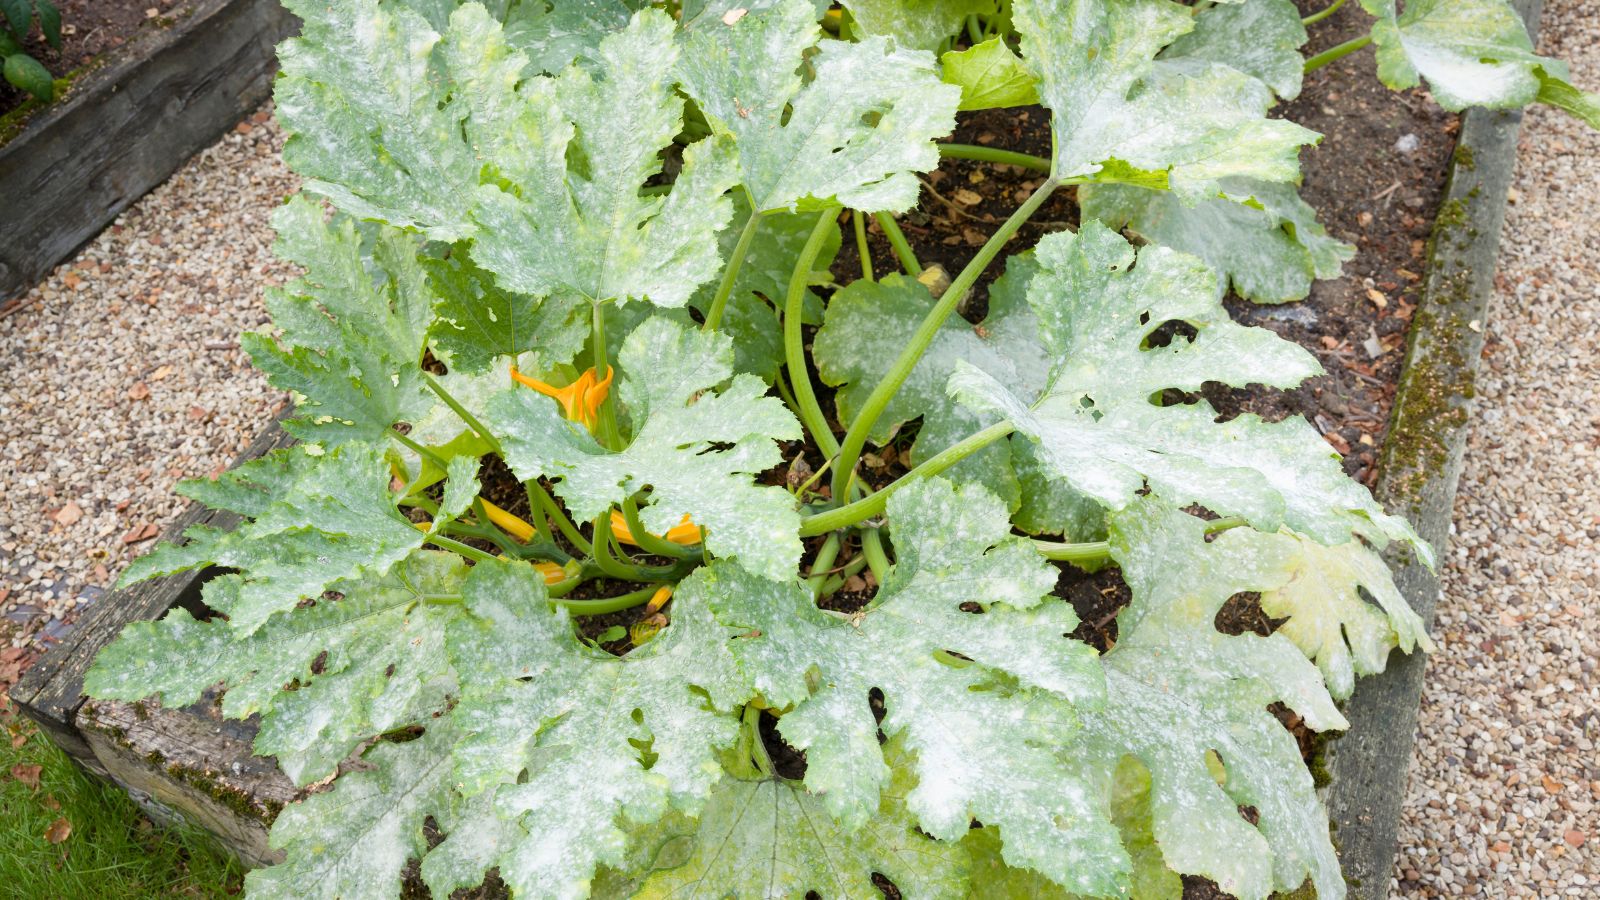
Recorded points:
(127, 125)
(190, 763)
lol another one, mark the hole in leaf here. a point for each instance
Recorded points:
(1166, 332)
(320, 664)
(787, 762)
(1242, 613)
(885, 886)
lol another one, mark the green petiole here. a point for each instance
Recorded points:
(1325, 12)
(858, 221)
(994, 155)
(897, 240)
(1337, 52)
(874, 504)
(719, 301)
(856, 437)
(794, 351)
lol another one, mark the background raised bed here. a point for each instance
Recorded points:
(126, 125)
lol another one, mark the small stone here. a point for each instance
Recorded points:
(1575, 837)
(70, 514)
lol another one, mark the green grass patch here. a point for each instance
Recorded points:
(64, 834)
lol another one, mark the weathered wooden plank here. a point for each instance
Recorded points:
(191, 765)
(129, 125)
(51, 691)
(1421, 465)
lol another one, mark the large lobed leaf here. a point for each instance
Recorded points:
(1473, 53)
(313, 517)
(567, 216)
(851, 133)
(679, 425)
(772, 839)
(574, 742)
(368, 659)
(1099, 424)
(1119, 114)
(867, 322)
(1258, 236)
(983, 727)
(351, 329)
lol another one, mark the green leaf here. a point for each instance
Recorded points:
(596, 737)
(852, 134)
(868, 322)
(573, 152)
(354, 840)
(1259, 236)
(1261, 38)
(460, 489)
(352, 329)
(1558, 93)
(762, 284)
(368, 126)
(1473, 52)
(1099, 426)
(1179, 692)
(679, 425)
(314, 517)
(1329, 619)
(990, 75)
(477, 322)
(983, 727)
(1118, 114)
(917, 24)
(368, 662)
(26, 73)
(49, 21)
(773, 839)
(554, 35)
(19, 16)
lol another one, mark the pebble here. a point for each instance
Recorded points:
(104, 361)
(1512, 691)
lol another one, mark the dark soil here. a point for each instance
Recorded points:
(89, 29)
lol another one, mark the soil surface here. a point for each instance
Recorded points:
(90, 28)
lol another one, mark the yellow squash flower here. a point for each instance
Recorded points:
(580, 401)
(684, 533)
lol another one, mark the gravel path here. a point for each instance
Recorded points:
(123, 375)
(1505, 788)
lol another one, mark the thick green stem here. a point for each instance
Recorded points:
(1329, 10)
(719, 301)
(858, 220)
(603, 605)
(897, 240)
(472, 553)
(994, 155)
(877, 559)
(418, 449)
(540, 503)
(608, 413)
(1339, 52)
(613, 568)
(794, 351)
(824, 561)
(648, 542)
(874, 504)
(758, 748)
(466, 416)
(856, 437)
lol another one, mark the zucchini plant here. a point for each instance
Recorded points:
(577, 576)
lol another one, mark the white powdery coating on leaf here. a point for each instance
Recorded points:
(806, 144)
